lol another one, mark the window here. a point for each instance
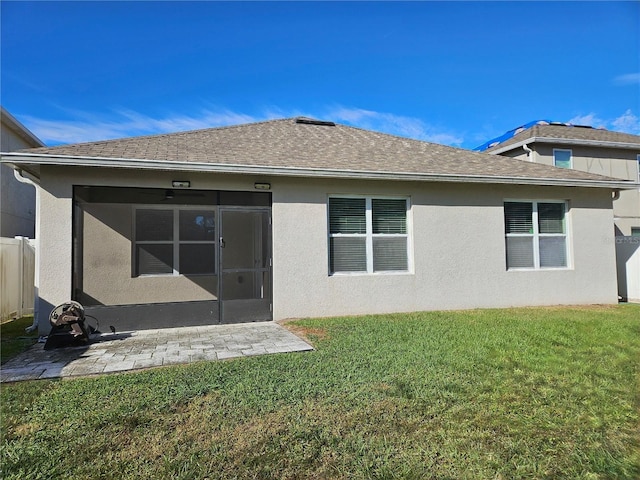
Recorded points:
(174, 241)
(368, 235)
(638, 168)
(562, 158)
(635, 231)
(536, 235)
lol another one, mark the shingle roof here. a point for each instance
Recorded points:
(577, 134)
(301, 144)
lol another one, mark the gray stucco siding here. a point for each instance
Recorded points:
(457, 246)
(458, 252)
(613, 162)
(17, 200)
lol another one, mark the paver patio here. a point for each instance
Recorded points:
(124, 351)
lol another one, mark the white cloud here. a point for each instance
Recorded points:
(627, 79)
(88, 127)
(590, 119)
(126, 123)
(628, 122)
(394, 124)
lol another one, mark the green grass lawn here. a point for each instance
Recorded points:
(488, 394)
(13, 338)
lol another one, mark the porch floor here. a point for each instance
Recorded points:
(124, 351)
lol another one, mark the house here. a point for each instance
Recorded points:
(588, 149)
(17, 199)
(299, 218)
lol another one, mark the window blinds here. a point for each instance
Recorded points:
(535, 234)
(367, 234)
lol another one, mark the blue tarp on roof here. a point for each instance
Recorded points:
(509, 134)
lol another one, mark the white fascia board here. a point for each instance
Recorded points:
(566, 141)
(16, 159)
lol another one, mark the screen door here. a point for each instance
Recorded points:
(245, 265)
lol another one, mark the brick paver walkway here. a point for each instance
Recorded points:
(152, 348)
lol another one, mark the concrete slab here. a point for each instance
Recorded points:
(124, 351)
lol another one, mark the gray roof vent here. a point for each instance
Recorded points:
(313, 121)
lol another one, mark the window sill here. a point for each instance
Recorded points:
(545, 269)
(171, 275)
(367, 274)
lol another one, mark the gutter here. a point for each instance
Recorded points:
(564, 141)
(18, 159)
(30, 180)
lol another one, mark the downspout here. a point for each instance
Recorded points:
(36, 279)
(526, 148)
(615, 195)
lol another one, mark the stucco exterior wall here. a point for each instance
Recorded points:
(17, 200)
(611, 162)
(457, 255)
(458, 252)
(616, 163)
(55, 244)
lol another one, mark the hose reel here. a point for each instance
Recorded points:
(67, 326)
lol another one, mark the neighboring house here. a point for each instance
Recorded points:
(587, 149)
(300, 218)
(17, 200)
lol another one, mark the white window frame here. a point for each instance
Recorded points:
(536, 235)
(638, 165)
(176, 242)
(369, 235)
(563, 150)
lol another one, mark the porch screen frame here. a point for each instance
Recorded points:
(176, 242)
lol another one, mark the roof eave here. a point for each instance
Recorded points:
(18, 159)
(565, 141)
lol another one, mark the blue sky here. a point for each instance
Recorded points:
(457, 73)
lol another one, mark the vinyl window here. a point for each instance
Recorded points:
(368, 235)
(174, 241)
(536, 234)
(562, 158)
